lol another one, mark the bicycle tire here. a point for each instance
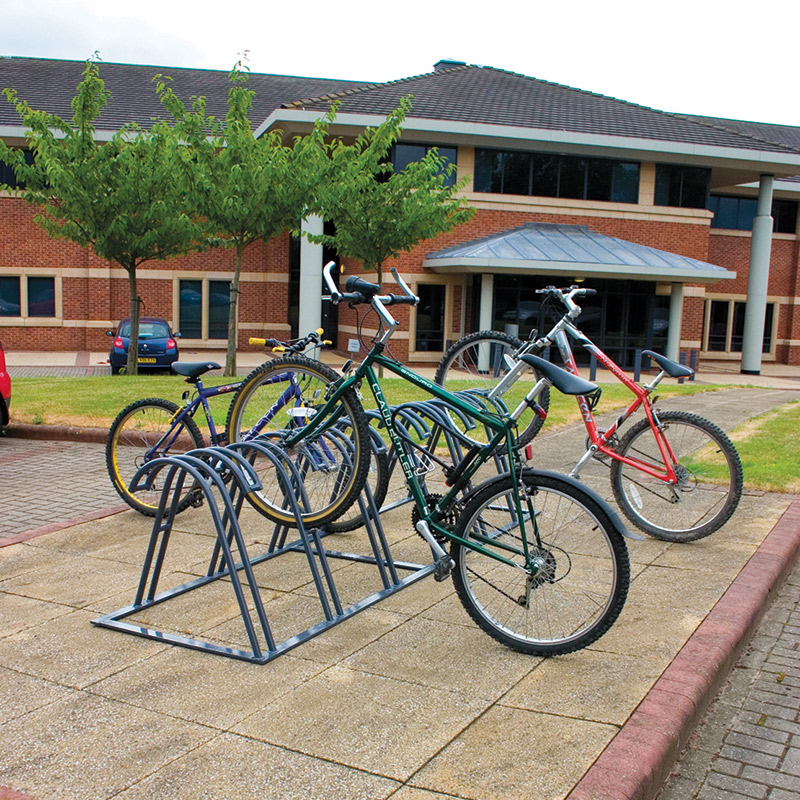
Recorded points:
(132, 434)
(332, 480)
(475, 363)
(583, 582)
(709, 471)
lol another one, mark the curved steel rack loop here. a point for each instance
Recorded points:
(222, 478)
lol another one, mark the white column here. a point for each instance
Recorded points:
(757, 280)
(310, 310)
(675, 317)
(485, 318)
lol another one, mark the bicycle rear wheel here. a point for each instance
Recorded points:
(276, 401)
(709, 476)
(575, 583)
(476, 363)
(144, 431)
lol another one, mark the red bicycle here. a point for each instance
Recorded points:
(674, 474)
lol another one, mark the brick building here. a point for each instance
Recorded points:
(686, 225)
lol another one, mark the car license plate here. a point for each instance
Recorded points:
(146, 360)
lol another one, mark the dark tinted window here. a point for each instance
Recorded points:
(190, 309)
(738, 213)
(544, 175)
(41, 297)
(404, 154)
(682, 187)
(219, 298)
(10, 297)
(430, 317)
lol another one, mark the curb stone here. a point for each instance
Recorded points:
(639, 759)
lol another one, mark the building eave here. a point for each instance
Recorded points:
(489, 135)
(575, 269)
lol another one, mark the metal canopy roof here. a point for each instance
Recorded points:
(544, 248)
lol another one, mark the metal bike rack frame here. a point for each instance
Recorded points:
(225, 477)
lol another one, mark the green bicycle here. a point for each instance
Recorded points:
(537, 559)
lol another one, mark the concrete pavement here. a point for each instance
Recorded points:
(407, 700)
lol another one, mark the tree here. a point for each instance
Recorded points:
(119, 197)
(245, 189)
(377, 212)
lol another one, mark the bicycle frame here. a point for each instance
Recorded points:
(189, 410)
(561, 333)
(502, 429)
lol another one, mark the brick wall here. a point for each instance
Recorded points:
(264, 299)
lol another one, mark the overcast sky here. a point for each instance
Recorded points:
(711, 57)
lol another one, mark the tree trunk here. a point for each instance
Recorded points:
(131, 367)
(233, 333)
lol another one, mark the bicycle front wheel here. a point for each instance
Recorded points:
(573, 585)
(276, 401)
(476, 363)
(706, 465)
(143, 431)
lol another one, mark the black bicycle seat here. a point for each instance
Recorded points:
(672, 368)
(193, 369)
(564, 381)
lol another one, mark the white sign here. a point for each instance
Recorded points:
(353, 345)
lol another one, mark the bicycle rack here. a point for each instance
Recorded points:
(225, 477)
(431, 421)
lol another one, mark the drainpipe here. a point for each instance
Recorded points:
(758, 277)
(310, 310)
(675, 316)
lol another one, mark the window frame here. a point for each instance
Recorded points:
(731, 302)
(779, 211)
(681, 173)
(205, 310)
(433, 356)
(554, 170)
(449, 180)
(25, 317)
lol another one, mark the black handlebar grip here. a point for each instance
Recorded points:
(395, 299)
(359, 285)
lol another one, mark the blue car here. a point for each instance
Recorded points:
(157, 346)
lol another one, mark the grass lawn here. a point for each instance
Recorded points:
(95, 401)
(767, 446)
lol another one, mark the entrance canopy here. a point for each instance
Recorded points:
(545, 248)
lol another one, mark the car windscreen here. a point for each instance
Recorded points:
(147, 330)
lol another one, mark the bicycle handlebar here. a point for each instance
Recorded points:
(294, 345)
(358, 291)
(566, 296)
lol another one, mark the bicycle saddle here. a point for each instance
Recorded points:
(672, 368)
(564, 381)
(193, 369)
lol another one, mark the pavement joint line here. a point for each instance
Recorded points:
(638, 760)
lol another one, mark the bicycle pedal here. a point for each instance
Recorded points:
(444, 566)
(197, 500)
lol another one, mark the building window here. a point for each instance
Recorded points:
(404, 154)
(738, 213)
(430, 317)
(725, 326)
(203, 307)
(7, 175)
(547, 175)
(682, 187)
(27, 296)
